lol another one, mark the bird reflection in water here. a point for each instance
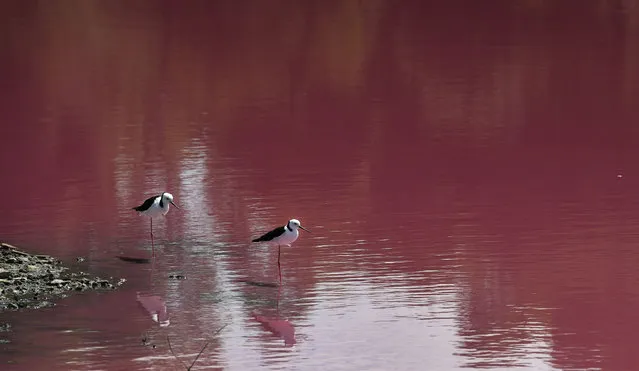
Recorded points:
(276, 325)
(155, 307)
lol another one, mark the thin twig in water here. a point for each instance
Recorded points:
(198, 355)
(176, 357)
(220, 329)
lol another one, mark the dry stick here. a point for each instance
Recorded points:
(198, 355)
(15, 250)
(7, 246)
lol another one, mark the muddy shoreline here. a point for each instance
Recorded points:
(37, 281)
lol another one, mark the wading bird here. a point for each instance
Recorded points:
(154, 207)
(284, 235)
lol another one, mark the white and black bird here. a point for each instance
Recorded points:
(155, 206)
(284, 235)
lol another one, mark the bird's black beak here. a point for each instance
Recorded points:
(305, 229)
(176, 206)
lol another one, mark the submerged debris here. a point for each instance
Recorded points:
(32, 281)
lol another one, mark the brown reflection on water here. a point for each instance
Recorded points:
(468, 171)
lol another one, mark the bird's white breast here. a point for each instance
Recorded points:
(155, 210)
(287, 238)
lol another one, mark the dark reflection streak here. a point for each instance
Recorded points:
(134, 259)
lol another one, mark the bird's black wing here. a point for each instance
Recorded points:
(271, 235)
(146, 204)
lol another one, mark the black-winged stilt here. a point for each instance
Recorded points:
(284, 235)
(154, 207)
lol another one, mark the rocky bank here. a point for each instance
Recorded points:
(35, 281)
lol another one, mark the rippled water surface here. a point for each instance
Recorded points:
(468, 172)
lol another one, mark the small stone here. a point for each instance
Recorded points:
(45, 304)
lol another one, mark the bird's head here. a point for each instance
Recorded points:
(294, 224)
(166, 196)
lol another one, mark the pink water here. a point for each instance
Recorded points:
(468, 171)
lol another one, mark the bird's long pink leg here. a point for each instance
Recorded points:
(277, 308)
(152, 244)
(279, 268)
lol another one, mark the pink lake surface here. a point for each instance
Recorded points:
(469, 171)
